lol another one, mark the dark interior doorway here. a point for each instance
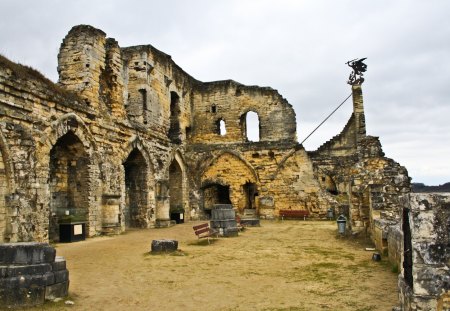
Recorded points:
(135, 188)
(407, 249)
(215, 194)
(69, 180)
(176, 192)
(250, 192)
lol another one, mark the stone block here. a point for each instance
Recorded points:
(59, 264)
(23, 281)
(58, 290)
(25, 253)
(49, 278)
(13, 271)
(21, 297)
(61, 276)
(159, 246)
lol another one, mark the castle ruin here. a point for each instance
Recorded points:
(127, 139)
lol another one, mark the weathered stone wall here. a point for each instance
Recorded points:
(230, 101)
(127, 137)
(365, 183)
(38, 118)
(424, 282)
(283, 178)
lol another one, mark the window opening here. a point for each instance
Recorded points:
(250, 126)
(175, 129)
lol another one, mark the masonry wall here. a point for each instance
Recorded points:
(365, 183)
(424, 282)
(36, 114)
(103, 139)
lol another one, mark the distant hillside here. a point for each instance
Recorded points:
(419, 187)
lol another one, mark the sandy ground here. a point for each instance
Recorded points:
(290, 265)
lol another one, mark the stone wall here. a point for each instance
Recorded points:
(366, 184)
(126, 137)
(424, 282)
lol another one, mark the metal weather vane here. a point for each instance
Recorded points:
(356, 77)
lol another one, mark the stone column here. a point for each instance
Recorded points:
(358, 111)
(162, 204)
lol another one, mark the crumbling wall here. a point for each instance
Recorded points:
(283, 178)
(133, 112)
(230, 101)
(36, 114)
(365, 183)
(424, 282)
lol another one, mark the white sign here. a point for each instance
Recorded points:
(77, 229)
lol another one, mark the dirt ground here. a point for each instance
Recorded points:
(289, 265)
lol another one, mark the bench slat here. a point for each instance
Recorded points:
(205, 225)
(294, 213)
(200, 231)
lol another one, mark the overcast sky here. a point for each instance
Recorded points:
(297, 47)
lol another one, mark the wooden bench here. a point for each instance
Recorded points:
(293, 214)
(204, 231)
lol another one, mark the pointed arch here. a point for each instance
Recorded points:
(178, 189)
(67, 133)
(212, 160)
(229, 177)
(138, 206)
(136, 142)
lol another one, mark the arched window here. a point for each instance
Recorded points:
(250, 126)
(221, 127)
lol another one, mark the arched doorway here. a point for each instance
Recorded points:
(69, 180)
(136, 191)
(176, 192)
(228, 179)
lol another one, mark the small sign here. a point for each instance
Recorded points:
(181, 216)
(77, 229)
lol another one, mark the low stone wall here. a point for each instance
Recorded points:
(395, 245)
(30, 273)
(424, 283)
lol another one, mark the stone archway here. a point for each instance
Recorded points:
(176, 192)
(68, 183)
(231, 171)
(136, 192)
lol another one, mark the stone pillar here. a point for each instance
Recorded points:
(358, 111)
(162, 204)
